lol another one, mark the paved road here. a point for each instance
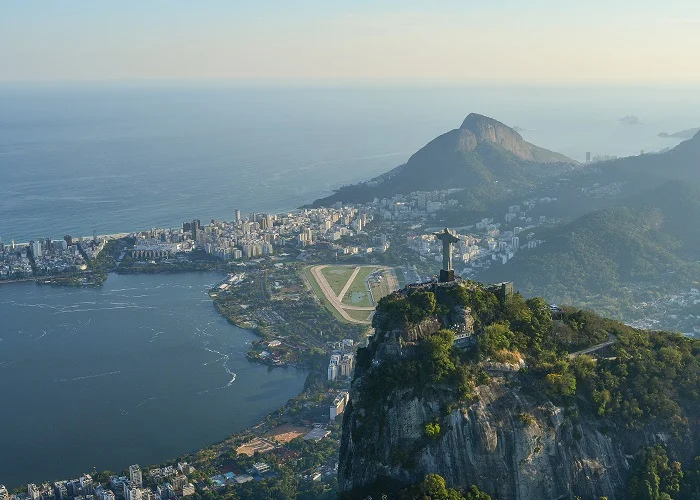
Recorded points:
(611, 340)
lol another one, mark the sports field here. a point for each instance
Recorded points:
(256, 444)
(358, 292)
(285, 433)
(351, 292)
(337, 276)
(313, 282)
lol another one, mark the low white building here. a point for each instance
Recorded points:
(339, 404)
(261, 467)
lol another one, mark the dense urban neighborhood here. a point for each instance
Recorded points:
(397, 232)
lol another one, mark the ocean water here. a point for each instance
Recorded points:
(112, 158)
(138, 371)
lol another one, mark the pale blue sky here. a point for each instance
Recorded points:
(300, 40)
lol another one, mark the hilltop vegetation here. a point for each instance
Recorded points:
(649, 377)
(655, 476)
(644, 382)
(433, 487)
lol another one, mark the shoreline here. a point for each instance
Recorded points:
(21, 280)
(58, 281)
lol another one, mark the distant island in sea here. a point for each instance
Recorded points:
(683, 134)
(629, 120)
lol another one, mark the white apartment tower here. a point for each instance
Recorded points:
(332, 371)
(135, 475)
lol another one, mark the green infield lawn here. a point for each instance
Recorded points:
(357, 294)
(337, 276)
(319, 293)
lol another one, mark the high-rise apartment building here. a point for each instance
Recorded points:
(135, 475)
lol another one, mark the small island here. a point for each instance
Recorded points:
(630, 120)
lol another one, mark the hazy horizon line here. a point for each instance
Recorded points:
(359, 82)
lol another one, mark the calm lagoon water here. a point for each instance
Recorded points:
(138, 371)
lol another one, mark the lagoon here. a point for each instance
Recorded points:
(139, 371)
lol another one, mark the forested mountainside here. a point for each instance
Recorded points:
(649, 240)
(513, 408)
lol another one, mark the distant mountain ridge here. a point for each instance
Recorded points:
(484, 157)
(679, 163)
(683, 134)
(649, 240)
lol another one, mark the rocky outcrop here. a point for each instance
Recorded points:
(477, 129)
(506, 443)
(509, 440)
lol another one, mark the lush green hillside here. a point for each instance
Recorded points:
(652, 376)
(642, 388)
(643, 177)
(650, 239)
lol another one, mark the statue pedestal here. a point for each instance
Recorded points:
(447, 276)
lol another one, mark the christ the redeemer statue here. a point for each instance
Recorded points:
(448, 239)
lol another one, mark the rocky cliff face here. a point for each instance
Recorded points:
(506, 443)
(510, 441)
(478, 129)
